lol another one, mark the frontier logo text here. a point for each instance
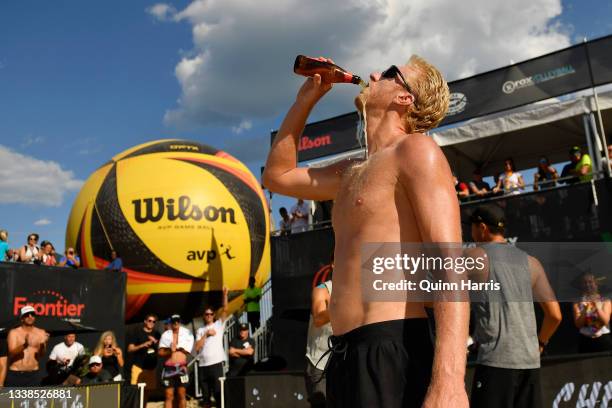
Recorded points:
(59, 308)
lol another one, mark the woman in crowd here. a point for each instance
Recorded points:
(545, 176)
(30, 253)
(4, 246)
(592, 318)
(111, 354)
(71, 259)
(511, 181)
(48, 254)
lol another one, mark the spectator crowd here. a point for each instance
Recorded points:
(44, 254)
(153, 357)
(511, 182)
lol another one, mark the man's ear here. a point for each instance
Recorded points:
(404, 99)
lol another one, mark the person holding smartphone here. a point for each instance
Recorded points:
(71, 259)
(110, 354)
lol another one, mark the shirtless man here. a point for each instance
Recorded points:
(403, 192)
(26, 346)
(175, 345)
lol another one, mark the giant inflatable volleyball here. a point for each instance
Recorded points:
(185, 218)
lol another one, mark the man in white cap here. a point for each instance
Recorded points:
(96, 373)
(175, 346)
(26, 346)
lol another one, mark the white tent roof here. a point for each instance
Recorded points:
(548, 128)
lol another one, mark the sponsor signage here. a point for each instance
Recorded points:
(86, 297)
(328, 137)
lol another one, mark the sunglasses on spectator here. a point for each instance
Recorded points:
(151, 321)
(208, 314)
(393, 72)
(32, 239)
(30, 314)
(95, 365)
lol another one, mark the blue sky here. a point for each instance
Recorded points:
(82, 81)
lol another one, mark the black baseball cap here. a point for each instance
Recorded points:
(574, 150)
(243, 326)
(490, 214)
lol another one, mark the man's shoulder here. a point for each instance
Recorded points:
(418, 151)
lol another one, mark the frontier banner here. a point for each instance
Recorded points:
(83, 297)
(569, 70)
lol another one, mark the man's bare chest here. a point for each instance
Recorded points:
(366, 188)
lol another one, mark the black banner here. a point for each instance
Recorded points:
(85, 298)
(328, 137)
(569, 70)
(572, 381)
(600, 56)
(110, 395)
(537, 79)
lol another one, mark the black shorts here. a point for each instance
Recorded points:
(380, 365)
(178, 380)
(505, 388)
(23, 378)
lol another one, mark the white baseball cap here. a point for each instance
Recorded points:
(95, 360)
(27, 309)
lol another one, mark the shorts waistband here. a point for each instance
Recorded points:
(20, 372)
(401, 329)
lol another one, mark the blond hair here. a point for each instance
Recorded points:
(431, 97)
(100, 346)
(3, 235)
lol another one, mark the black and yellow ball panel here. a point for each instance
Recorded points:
(252, 208)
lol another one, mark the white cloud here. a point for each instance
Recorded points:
(240, 67)
(162, 11)
(244, 125)
(42, 222)
(30, 140)
(26, 180)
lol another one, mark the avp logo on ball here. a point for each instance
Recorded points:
(155, 208)
(210, 254)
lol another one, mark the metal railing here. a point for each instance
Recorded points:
(261, 336)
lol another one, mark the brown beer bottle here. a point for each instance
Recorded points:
(329, 72)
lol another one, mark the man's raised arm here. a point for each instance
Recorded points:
(281, 174)
(427, 181)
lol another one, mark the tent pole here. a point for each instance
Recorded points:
(603, 131)
(607, 170)
(590, 135)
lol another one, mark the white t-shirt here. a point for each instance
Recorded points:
(62, 352)
(299, 224)
(185, 339)
(510, 184)
(212, 352)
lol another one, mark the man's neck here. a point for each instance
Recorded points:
(145, 328)
(383, 131)
(27, 327)
(498, 239)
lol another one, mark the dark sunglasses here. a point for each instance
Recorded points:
(392, 72)
(32, 239)
(29, 314)
(151, 321)
(95, 365)
(208, 314)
